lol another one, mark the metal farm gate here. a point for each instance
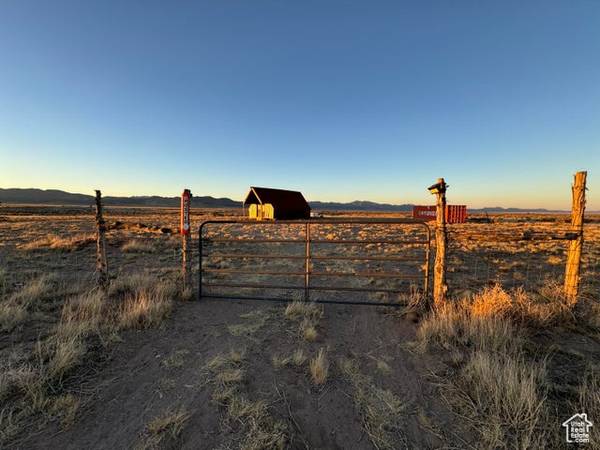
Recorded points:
(241, 259)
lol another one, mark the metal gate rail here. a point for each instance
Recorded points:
(307, 273)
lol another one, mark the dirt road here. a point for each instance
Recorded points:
(153, 373)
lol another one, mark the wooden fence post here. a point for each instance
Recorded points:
(439, 269)
(572, 269)
(184, 229)
(101, 262)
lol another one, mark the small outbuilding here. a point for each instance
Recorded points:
(267, 203)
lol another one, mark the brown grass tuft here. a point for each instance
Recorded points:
(303, 311)
(55, 242)
(588, 394)
(504, 395)
(166, 426)
(452, 325)
(319, 368)
(138, 246)
(381, 409)
(15, 309)
(147, 306)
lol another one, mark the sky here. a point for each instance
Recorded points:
(343, 100)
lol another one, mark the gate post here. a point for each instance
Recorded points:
(439, 270)
(307, 264)
(184, 229)
(572, 269)
(101, 262)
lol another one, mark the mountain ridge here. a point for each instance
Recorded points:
(57, 196)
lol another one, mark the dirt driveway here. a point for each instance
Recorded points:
(385, 400)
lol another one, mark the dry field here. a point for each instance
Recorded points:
(144, 365)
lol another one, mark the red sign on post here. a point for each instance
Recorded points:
(454, 213)
(186, 198)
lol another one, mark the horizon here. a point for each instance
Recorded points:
(340, 101)
(358, 200)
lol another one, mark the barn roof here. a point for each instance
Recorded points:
(277, 197)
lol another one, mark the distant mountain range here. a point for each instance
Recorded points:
(57, 197)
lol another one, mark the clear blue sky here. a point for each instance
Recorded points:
(342, 100)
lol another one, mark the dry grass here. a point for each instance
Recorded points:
(36, 290)
(504, 395)
(16, 379)
(11, 316)
(297, 359)
(308, 315)
(497, 385)
(381, 409)
(147, 306)
(303, 311)
(588, 401)
(55, 242)
(14, 310)
(65, 408)
(138, 246)
(68, 352)
(4, 281)
(253, 322)
(319, 368)
(260, 429)
(550, 307)
(166, 426)
(35, 385)
(453, 326)
(309, 331)
(176, 360)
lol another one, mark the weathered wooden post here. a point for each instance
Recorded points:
(101, 262)
(572, 269)
(439, 270)
(184, 229)
(307, 263)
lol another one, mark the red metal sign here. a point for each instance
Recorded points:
(424, 212)
(454, 213)
(184, 225)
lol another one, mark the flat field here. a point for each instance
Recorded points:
(144, 364)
